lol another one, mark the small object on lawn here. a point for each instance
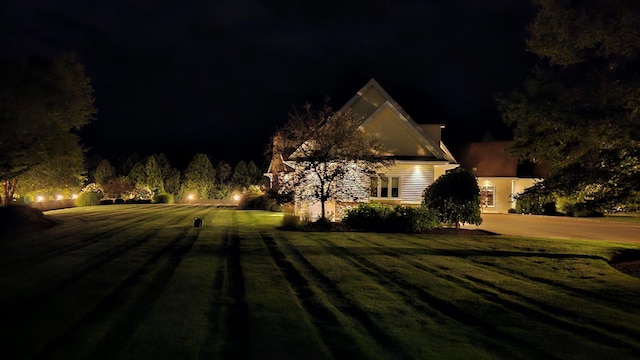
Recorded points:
(197, 223)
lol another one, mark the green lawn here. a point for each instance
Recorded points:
(138, 281)
(632, 217)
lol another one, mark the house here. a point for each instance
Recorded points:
(500, 176)
(419, 154)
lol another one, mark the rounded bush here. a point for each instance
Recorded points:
(88, 199)
(163, 198)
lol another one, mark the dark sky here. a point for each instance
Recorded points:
(187, 76)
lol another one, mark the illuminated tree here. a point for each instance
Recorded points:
(241, 177)
(223, 172)
(138, 174)
(170, 175)
(172, 181)
(154, 178)
(104, 172)
(43, 103)
(579, 111)
(120, 187)
(331, 156)
(200, 176)
(62, 174)
(456, 197)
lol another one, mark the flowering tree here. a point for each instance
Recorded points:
(330, 154)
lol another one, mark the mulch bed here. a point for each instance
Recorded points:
(627, 262)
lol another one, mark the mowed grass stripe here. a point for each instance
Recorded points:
(69, 268)
(78, 287)
(337, 340)
(108, 326)
(280, 326)
(508, 300)
(93, 232)
(586, 288)
(584, 284)
(389, 295)
(376, 342)
(421, 330)
(184, 321)
(491, 338)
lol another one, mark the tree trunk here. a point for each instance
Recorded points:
(9, 189)
(322, 208)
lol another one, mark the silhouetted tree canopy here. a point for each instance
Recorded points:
(43, 102)
(579, 109)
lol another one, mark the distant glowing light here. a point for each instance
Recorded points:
(74, 196)
(39, 198)
(58, 197)
(236, 197)
(190, 196)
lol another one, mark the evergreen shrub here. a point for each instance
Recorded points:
(163, 198)
(88, 199)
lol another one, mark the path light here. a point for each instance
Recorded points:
(190, 197)
(58, 197)
(236, 197)
(74, 196)
(39, 198)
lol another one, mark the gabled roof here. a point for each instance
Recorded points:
(371, 100)
(490, 159)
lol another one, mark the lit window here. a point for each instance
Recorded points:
(385, 187)
(487, 196)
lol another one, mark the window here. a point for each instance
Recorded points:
(488, 196)
(385, 187)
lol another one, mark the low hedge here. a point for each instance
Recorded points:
(258, 202)
(383, 218)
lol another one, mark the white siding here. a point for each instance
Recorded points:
(414, 178)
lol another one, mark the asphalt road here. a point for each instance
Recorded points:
(560, 227)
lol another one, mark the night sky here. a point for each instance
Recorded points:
(219, 77)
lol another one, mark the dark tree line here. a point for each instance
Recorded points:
(200, 179)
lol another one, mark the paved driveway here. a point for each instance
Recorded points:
(560, 227)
